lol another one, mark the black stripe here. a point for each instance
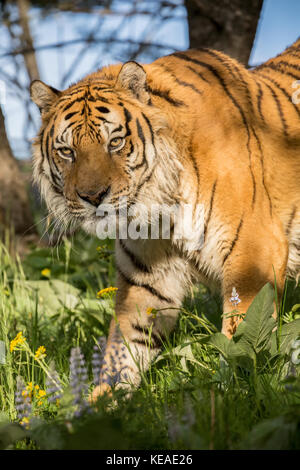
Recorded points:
(157, 341)
(220, 79)
(212, 197)
(147, 287)
(128, 118)
(280, 111)
(279, 70)
(141, 184)
(181, 82)
(223, 60)
(286, 94)
(117, 129)
(68, 116)
(102, 109)
(289, 224)
(263, 169)
(196, 170)
(259, 101)
(222, 82)
(196, 72)
(234, 240)
(142, 342)
(150, 128)
(281, 63)
(142, 137)
(45, 144)
(165, 95)
(133, 258)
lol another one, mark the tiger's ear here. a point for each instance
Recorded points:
(43, 95)
(132, 77)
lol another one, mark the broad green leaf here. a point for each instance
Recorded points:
(257, 326)
(273, 434)
(10, 433)
(53, 295)
(220, 342)
(288, 334)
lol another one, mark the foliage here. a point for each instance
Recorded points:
(202, 392)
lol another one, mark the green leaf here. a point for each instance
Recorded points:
(273, 434)
(288, 334)
(220, 342)
(253, 334)
(10, 433)
(53, 295)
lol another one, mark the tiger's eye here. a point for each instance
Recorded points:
(116, 142)
(65, 152)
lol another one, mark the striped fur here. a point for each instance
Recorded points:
(197, 128)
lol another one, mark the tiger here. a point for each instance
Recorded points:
(194, 127)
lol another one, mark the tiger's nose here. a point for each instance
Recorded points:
(94, 198)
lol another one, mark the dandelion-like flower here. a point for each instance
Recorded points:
(40, 353)
(106, 292)
(46, 272)
(151, 312)
(234, 299)
(22, 403)
(41, 396)
(18, 340)
(78, 379)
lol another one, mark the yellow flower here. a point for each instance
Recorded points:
(57, 402)
(151, 311)
(29, 386)
(40, 353)
(106, 291)
(25, 422)
(19, 339)
(41, 397)
(46, 272)
(26, 394)
(42, 393)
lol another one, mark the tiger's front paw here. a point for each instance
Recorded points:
(99, 391)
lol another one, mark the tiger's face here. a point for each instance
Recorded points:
(98, 144)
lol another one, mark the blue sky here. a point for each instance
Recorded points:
(279, 26)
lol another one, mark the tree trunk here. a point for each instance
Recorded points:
(26, 39)
(14, 204)
(226, 25)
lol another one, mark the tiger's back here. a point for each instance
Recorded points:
(257, 151)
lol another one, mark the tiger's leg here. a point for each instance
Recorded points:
(250, 266)
(136, 335)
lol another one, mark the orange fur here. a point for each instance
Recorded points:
(203, 129)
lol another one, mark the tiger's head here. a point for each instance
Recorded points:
(101, 140)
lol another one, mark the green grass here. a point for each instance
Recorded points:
(203, 392)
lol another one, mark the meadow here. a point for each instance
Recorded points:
(202, 392)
